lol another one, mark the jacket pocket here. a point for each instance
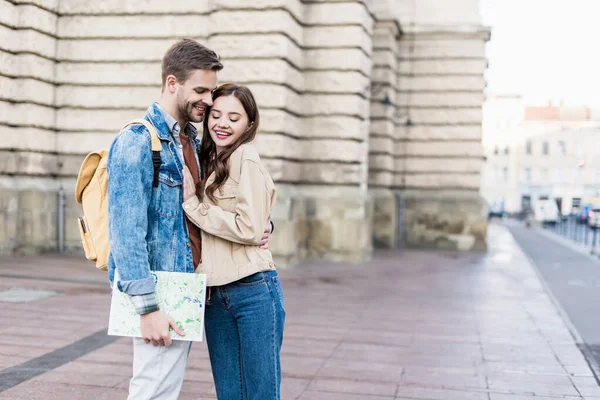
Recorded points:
(169, 199)
(226, 197)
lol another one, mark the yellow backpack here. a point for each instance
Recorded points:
(91, 193)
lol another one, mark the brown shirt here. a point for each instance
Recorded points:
(195, 234)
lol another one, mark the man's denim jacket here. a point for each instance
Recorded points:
(147, 227)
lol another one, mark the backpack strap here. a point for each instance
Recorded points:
(156, 146)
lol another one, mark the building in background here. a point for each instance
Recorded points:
(539, 153)
(371, 112)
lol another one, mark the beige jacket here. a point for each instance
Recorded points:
(233, 227)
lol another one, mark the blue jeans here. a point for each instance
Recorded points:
(244, 332)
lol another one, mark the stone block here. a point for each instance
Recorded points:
(338, 59)
(385, 59)
(440, 181)
(28, 163)
(146, 26)
(314, 172)
(83, 142)
(382, 127)
(256, 22)
(27, 139)
(335, 126)
(280, 121)
(295, 7)
(255, 71)
(385, 218)
(475, 83)
(381, 162)
(51, 5)
(447, 99)
(381, 145)
(445, 116)
(334, 104)
(441, 48)
(26, 91)
(337, 36)
(384, 76)
(340, 229)
(278, 96)
(443, 67)
(433, 132)
(444, 221)
(384, 40)
(27, 41)
(336, 82)
(94, 120)
(458, 148)
(26, 16)
(37, 222)
(116, 74)
(9, 221)
(280, 146)
(70, 7)
(107, 97)
(338, 14)
(25, 114)
(106, 50)
(26, 66)
(436, 12)
(272, 45)
(70, 164)
(381, 179)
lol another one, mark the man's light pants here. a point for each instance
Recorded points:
(158, 371)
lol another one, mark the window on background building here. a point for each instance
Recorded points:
(562, 147)
(505, 174)
(496, 150)
(545, 174)
(506, 150)
(528, 147)
(597, 176)
(546, 148)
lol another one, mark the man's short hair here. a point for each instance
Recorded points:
(185, 56)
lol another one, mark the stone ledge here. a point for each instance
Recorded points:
(441, 48)
(338, 13)
(156, 26)
(27, 91)
(25, 16)
(70, 7)
(27, 163)
(102, 50)
(337, 36)
(27, 41)
(27, 139)
(28, 115)
(26, 66)
(274, 146)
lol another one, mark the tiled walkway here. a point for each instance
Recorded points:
(407, 325)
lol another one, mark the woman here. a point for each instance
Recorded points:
(244, 314)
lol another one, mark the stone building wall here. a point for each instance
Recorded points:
(365, 106)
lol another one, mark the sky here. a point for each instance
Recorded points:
(544, 50)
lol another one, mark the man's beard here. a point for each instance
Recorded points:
(186, 110)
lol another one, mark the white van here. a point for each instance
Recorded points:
(546, 212)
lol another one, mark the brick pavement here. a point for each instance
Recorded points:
(407, 325)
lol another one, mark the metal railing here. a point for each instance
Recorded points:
(578, 232)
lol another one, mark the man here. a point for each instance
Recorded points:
(148, 230)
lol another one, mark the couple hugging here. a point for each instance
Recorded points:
(209, 212)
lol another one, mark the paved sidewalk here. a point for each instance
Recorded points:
(408, 325)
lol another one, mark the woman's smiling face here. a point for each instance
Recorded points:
(227, 121)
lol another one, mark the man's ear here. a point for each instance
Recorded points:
(171, 83)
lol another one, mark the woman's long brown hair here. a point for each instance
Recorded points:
(219, 163)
